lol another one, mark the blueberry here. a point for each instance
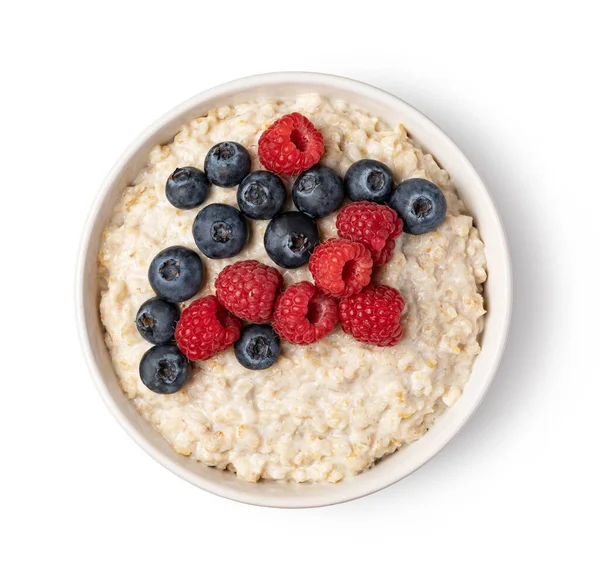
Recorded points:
(318, 192)
(227, 164)
(261, 195)
(220, 231)
(369, 180)
(258, 347)
(164, 369)
(176, 273)
(187, 188)
(156, 320)
(420, 204)
(290, 239)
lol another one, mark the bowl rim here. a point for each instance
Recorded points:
(229, 88)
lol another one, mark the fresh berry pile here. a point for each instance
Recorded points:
(375, 215)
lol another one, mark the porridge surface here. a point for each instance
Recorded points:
(328, 410)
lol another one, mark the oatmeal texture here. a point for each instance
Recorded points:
(329, 410)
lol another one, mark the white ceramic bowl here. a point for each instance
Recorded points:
(497, 291)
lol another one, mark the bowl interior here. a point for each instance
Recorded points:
(497, 290)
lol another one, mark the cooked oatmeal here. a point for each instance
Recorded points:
(326, 411)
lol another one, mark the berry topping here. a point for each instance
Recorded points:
(220, 231)
(290, 145)
(318, 192)
(369, 180)
(187, 188)
(156, 320)
(341, 267)
(176, 273)
(304, 315)
(164, 369)
(373, 315)
(420, 204)
(261, 195)
(205, 328)
(226, 164)
(374, 225)
(290, 239)
(258, 347)
(248, 289)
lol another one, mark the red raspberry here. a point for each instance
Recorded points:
(248, 289)
(373, 315)
(375, 225)
(291, 145)
(304, 315)
(341, 267)
(205, 328)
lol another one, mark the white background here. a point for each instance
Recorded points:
(511, 82)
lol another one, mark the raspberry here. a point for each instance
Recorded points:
(340, 267)
(248, 289)
(375, 225)
(291, 145)
(205, 328)
(373, 315)
(304, 315)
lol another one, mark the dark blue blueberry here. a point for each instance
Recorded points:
(187, 188)
(420, 204)
(176, 273)
(156, 320)
(220, 231)
(369, 180)
(261, 195)
(227, 164)
(318, 192)
(164, 369)
(258, 347)
(290, 239)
